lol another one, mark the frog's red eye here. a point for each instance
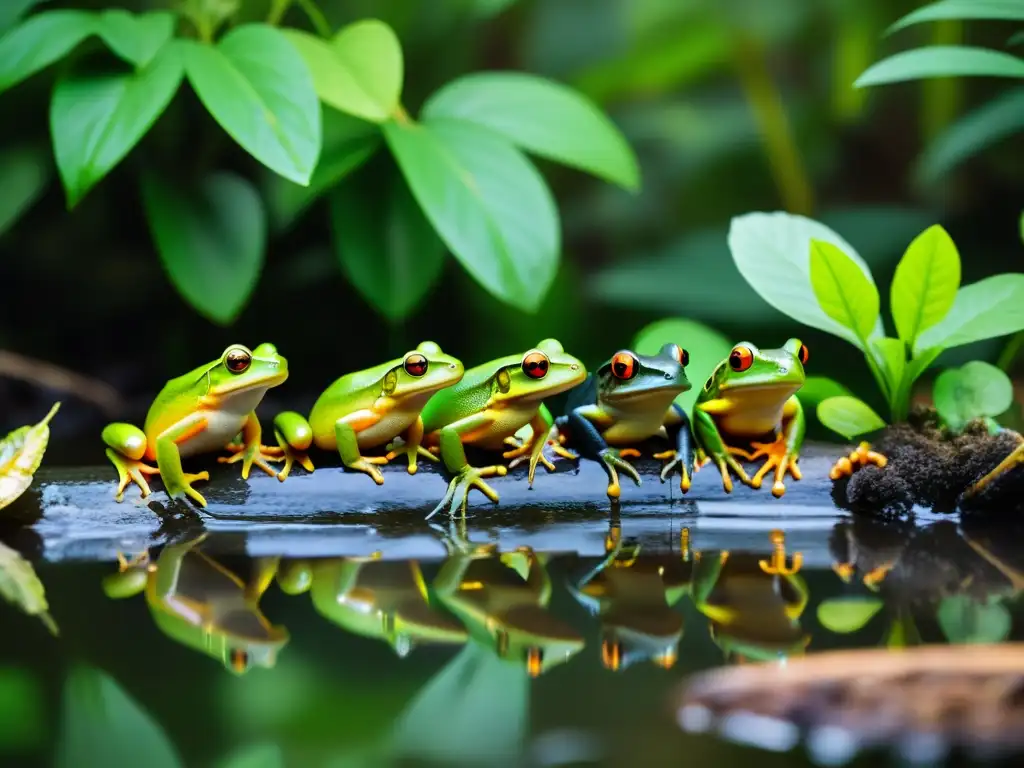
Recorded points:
(416, 365)
(741, 359)
(535, 365)
(681, 355)
(238, 360)
(804, 354)
(624, 366)
(239, 660)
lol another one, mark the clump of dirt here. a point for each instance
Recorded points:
(931, 467)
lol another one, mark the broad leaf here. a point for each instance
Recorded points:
(844, 615)
(487, 202)
(818, 388)
(392, 257)
(102, 725)
(1007, 10)
(254, 756)
(135, 38)
(917, 365)
(941, 61)
(986, 309)
(973, 391)
(358, 71)
(542, 117)
(772, 252)
(964, 619)
(892, 354)
(96, 120)
(925, 284)
(843, 291)
(20, 586)
(39, 41)
(258, 88)
(12, 10)
(848, 416)
(211, 241)
(24, 174)
(20, 455)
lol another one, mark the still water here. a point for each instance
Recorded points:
(500, 652)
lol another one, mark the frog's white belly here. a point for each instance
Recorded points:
(222, 423)
(388, 428)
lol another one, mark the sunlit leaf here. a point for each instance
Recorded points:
(925, 284)
(260, 91)
(542, 117)
(254, 756)
(101, 725)
(24, 174)
(892, 354)
(211, 240)
(136, 38)
(844, 615)
(20, 455)
(486, 201)
(986, 309)
(843, 291)
(966, 620)
(20, 586)
(848, 416)
(818, 388)
(12, 10)
(39, 41)
(941, 61)
(1007, 10)
(973, 391)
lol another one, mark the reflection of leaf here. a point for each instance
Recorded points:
(20, 585)
(23, 709)
(20, 454)
(103, 726)
(844, 615)
(902, 633)
(964, 620)
(254, 756)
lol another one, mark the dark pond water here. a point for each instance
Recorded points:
(569, 651)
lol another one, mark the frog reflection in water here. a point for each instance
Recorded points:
(201, 604)
(502, 600)
(383, 599)
(754, 604)
(635, 596)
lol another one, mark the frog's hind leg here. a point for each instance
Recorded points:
(348, 444)
(1011, 462)
(862, 456)
(294, 437)
(126, 446)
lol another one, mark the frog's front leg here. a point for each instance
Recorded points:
(592, 445)
(177, 482)
(252, 451)
(126, 448)
(784, 452)
(412, 446)
(540, 426)
(677, 421)
(294, 436)
(345, 430)
(707, 434)
(466, 477)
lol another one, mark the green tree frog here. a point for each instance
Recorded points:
(370, 408)
(751, 396)
(486, 409)
(199, 412)
(627, 401)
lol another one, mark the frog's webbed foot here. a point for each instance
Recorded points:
(254, 454)
(522, 453)
(401, 448)
(130, 471)
(136, 561)
(177, 488)
(629, 453)
(727, 463)
(464, 481)
(293, 456)
(675, 460)
(862, 456)
(520, 448)
(1014, 460)
(780, 459)
(612, 462)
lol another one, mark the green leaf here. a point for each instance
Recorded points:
(1007, 10)
(487, 202)
(39, 41)
(843, 291)
(259, 89)
(347, 143)
(135, 38)
(772, 252)
(542, 117)
(21, 452)
(12, 10)
(925, 284)
(818, 388)
(358, 71)
(707, 348)
(211, 241)
(941, 61)
(24, 174)
(848, 416)
(255, 756)
(96, 120)
(973, 391)
(986, 309)
(392, 257)
(965, 620)
(844, 615)
(103, 725)
(20, 586)
(892, 354)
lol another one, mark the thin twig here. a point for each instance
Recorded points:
(52, 376)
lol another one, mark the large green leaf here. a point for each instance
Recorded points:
(487, 202)
(542, 117)
(211, 241)
(20, 586)
(772, 252)
(101, 725)
(12, 10)
(843, 291)
(1007, 10)
(973, 391)
(24, 174)
(925, 284)
(848, 614)
(986, 309)
(358, 71)
(39, 41)
(259, 89)
(818, 388)
(941, 61)
(96, 120)
(848, 416)
(254, 756)
(135, 38)
(392, 257)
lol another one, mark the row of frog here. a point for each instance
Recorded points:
(427, 405)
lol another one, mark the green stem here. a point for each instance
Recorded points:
(879, 378)
(1009, 354)
(942, 95)
(316, 17)
(278, 8)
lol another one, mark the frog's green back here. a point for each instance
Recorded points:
(467, 397)
(180, 395)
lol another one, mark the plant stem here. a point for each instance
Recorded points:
(278, 8)
(941, 96)
(400, 116)
(1009, 354)
(316, 17)
(766, 102)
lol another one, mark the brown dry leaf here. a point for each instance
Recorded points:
(20, 585)
(20, 454)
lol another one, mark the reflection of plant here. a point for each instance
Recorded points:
(810, 273)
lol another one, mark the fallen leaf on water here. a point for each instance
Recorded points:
(20, 585)
(20, 454)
